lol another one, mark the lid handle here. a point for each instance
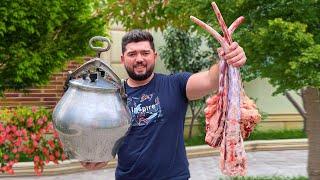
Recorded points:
(99, 49)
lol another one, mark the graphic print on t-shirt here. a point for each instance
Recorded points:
(144, 109)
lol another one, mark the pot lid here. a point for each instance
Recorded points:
(98, 84)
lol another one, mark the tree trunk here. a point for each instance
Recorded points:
(195, 114)
(190, 128)
(192, 107)
(311, 101)
(298, 107)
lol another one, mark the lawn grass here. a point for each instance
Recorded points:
(257, 135)
(277, 134)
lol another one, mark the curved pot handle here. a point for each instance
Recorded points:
(100, 49)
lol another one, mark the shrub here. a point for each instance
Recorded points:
(24, 132)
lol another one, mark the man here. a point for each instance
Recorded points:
(154, 145)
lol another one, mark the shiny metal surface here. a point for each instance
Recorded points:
(90, 123)
(100, 85)
(92, 118)
(99, 38)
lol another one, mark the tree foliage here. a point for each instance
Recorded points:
(157, 14)
(281, 37)
(38, 37)
(282, 41)
(182, 52)
(285, 53)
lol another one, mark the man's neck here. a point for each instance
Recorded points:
(134, 83)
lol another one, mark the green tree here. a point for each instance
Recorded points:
(281, 39)
(157, 14)
(38, 37)
(182, 52)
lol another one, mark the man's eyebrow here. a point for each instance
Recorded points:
(134, 51)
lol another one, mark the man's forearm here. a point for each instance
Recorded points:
(203, 83)
(214, 76)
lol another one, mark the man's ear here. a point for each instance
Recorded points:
(155, 55)
(122, 59)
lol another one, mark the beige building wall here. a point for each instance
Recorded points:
(281, 113)
(261, 90)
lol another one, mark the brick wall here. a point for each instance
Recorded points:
(47, 95)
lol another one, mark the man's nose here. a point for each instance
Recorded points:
(139, 58)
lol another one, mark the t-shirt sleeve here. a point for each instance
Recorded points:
(181, 79)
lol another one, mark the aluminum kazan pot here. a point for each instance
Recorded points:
(92, 117)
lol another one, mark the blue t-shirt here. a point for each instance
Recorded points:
(154, 146)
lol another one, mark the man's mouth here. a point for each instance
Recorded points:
(139, 68)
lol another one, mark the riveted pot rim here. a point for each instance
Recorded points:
(89, 87)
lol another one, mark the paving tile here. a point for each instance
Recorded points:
(262, 163)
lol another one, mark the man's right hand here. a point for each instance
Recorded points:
(93, 165)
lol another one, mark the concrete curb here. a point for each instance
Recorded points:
(73, 166)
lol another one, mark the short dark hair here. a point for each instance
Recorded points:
(136, 35)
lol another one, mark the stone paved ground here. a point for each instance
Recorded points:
(263, 163)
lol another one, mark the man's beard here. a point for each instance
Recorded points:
(140, 77)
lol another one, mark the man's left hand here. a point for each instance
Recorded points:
(235, 56)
